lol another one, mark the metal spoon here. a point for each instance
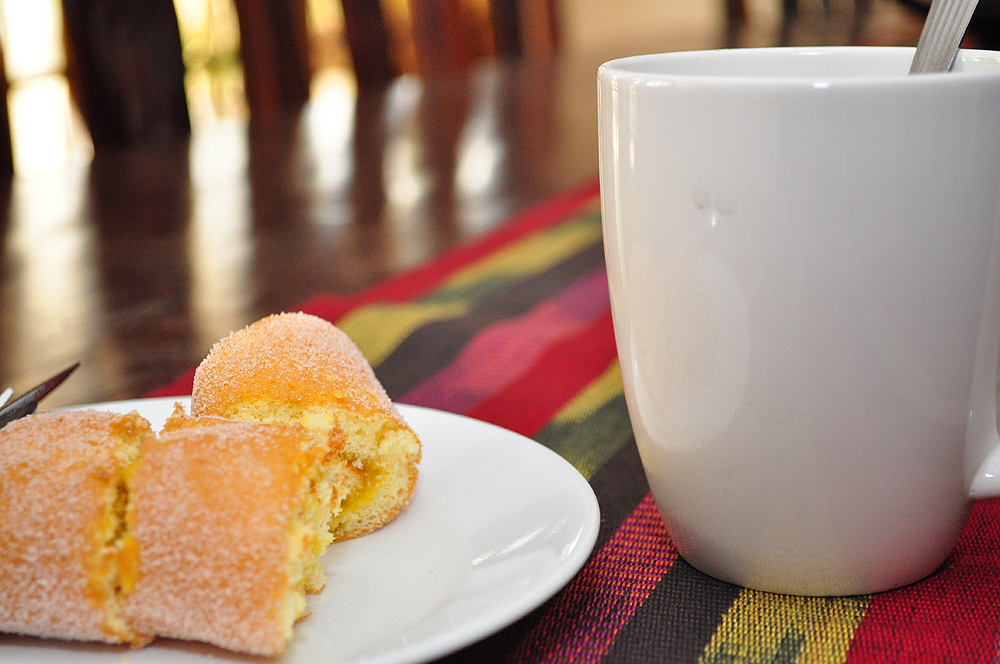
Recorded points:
(946, 23)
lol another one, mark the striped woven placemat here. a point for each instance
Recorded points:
(515, 329)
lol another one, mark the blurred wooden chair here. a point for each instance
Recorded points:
(274, 48)
(442, 33)
(276, 59)
(442, 36)
(6, 147)
(125, 65)
(736, 10)
(126, 71)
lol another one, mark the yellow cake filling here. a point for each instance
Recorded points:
(380, 458)
(369, 468)
(116, 558)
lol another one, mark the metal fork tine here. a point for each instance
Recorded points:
(28, 402)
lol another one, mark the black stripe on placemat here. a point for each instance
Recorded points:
(436, 345)
(588, 443)
(677, 621)
(620, 485)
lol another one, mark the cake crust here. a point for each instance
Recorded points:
(290, 358)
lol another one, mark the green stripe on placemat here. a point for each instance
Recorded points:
(592, 427)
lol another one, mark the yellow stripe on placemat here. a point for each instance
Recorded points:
(378, 328)
(763, 627)
(535, 253)
(602, 390)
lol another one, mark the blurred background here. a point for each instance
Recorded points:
(48, 132)
(176, 169)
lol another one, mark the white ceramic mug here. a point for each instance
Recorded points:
(802, 250)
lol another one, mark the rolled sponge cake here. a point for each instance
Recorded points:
(220, 515)
(298, 368)
(64, 555)
(316, 505)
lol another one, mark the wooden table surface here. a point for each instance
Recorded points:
(135, 263)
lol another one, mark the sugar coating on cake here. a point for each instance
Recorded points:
(293, 358)
(62, 543)
(294, 367)
(316, 508)
(217, 511)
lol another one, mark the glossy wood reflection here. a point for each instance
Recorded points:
(135, 263)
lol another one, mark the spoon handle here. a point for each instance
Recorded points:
(942, 35)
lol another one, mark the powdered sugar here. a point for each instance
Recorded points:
(300, 358)
(212, 510)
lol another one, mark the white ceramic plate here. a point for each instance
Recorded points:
(497, 525)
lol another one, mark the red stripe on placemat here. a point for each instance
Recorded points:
(952, 616)
(419, 281)
(178, 387)
(502, 352)
(583, 621)
(528, 403)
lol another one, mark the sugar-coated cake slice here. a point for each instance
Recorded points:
(64, 555)
(294, 367)
(219, 515)
(316, 509)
